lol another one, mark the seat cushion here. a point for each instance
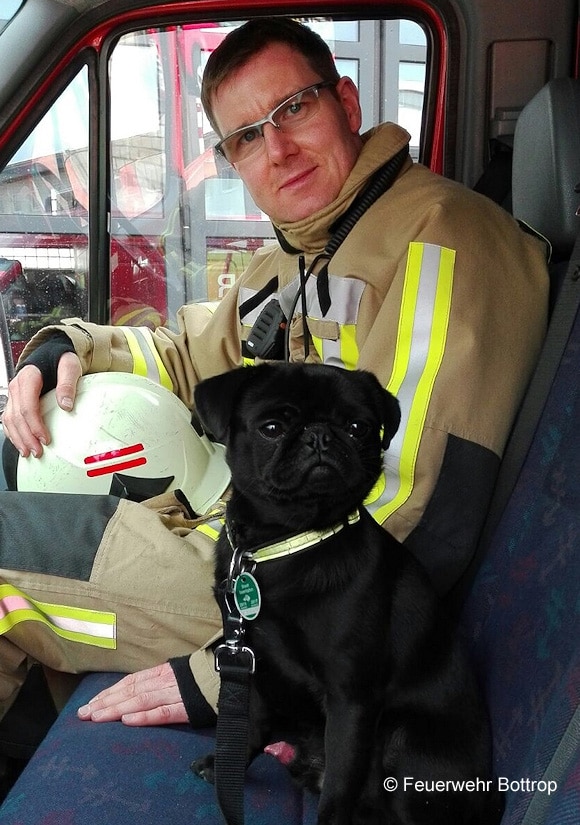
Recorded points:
(108, 774)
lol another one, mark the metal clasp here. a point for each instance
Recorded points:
(234, 651)
(240, 562)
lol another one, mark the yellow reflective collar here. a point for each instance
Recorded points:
(302, 541)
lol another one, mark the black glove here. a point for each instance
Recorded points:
(47, 356)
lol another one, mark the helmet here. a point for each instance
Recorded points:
(125, 435)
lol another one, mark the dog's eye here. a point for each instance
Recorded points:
(272, 429)
(357, 429)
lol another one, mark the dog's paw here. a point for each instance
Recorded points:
(204, 768)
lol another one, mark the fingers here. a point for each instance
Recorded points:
(22, 421)
(68, 373)
(149, 697)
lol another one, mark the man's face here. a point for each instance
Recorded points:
(294, 173)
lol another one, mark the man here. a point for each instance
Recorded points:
(381, 265)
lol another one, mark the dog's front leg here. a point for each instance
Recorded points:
(348, 747)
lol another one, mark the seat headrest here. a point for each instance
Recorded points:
(546, 164)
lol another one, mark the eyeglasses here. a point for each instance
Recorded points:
(290, 114)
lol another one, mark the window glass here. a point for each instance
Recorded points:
(411, 93)
(8, 10)
(43, 219)
(137, 139)
(145, 175)
(411, 33)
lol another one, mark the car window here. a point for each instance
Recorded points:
(8, 10)
(180, 226)
(44, 237)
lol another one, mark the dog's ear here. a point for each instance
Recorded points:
(385, 404)
(391, 416)
(214, 400)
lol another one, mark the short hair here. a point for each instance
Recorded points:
(243, 43)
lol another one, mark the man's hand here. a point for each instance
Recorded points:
(21, 420)
(148, 697)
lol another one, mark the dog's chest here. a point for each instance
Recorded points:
(323, 619)
(322, 638)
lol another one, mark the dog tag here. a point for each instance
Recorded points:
(247, 596)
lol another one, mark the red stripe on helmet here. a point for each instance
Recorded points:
(117, 467)
(110, 454)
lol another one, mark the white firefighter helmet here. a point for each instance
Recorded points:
(125, 434)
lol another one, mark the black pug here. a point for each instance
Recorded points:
(354, 654)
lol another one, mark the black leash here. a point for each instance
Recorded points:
(235, 662)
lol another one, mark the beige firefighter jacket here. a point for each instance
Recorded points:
(436, 290)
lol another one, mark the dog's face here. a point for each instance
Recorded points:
(305, 440)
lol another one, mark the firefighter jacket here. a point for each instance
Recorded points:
(435, 289)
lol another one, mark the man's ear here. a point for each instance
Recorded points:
(214, 400)
(348, 95)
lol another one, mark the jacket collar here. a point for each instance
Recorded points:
(311, 234)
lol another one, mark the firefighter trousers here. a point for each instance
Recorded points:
(97, 583)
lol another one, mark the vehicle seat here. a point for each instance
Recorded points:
(546, 164)
(546, 170)
(522, 615)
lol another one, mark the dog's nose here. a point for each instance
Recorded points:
(318, 438)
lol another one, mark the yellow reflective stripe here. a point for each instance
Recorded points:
(88, 627)
(340, 353)
(406, 317)
(318, 346)
(208, 531)
(348, 346)
(421, 339)
(146, 360)
(211, 529)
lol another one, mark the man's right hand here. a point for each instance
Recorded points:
(21, 420)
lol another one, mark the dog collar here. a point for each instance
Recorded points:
(301, 541)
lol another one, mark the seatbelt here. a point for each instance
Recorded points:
(559, 329)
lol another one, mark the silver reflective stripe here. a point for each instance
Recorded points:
(251, 317)
(345, 296)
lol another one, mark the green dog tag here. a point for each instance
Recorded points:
(247, 596)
